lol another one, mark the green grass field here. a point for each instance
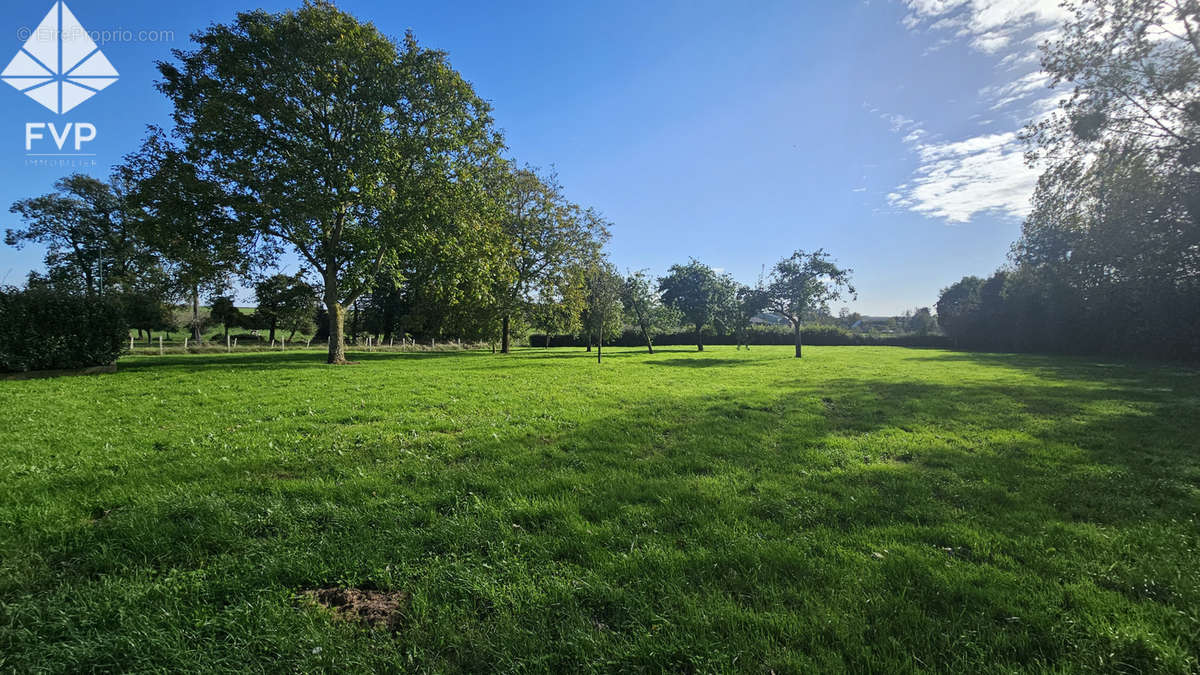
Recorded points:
(864, 508)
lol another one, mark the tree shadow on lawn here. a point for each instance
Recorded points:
(923, 511)
(277, 360)
(1072, 367)
(581, 353)
(704, 362)
(1119, 446)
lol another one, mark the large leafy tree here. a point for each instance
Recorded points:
(1115, 226)
(444, 284)
(547, 234)
(805, 283)
(90, 244)
(1134, 69)
(185, 217)
(698, 293)
(330, 140)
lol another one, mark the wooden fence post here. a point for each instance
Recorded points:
(228, 345)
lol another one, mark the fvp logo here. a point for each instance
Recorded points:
(60, 65)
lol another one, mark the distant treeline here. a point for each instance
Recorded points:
(819, 336)
(1027, 310)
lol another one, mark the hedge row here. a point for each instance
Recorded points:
(43, 329)
(820, 336)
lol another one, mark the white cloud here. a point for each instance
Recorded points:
(989, 25)
(1017, 90)
(957, 180)
(898, 122)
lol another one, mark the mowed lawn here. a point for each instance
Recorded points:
(864, 508)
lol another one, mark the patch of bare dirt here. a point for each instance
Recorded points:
(374, 609)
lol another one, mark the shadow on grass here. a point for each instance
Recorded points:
(702, 362)
(276, 360)
(1072, 367)
(581, 353)
(713, 518)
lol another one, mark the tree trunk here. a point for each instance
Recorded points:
(504, 337)
(337, 323)
(271, 337)
(796, 330)
(547, 340)
(226, 332)
(196, 313)
(599, 347)
(699, 337)
(646, 335)
(589, 340)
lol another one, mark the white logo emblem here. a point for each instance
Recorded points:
(60, 65)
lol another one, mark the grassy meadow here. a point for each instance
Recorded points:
(863, 508)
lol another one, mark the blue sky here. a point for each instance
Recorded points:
(734, 133)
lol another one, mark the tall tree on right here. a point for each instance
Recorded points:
(1115, 225)
(804, 283)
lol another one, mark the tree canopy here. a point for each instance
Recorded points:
(803, 283)
(89, 242)
(698, 293)
(330, 140)
(547, 237)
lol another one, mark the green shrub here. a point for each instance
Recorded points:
(46, 329)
